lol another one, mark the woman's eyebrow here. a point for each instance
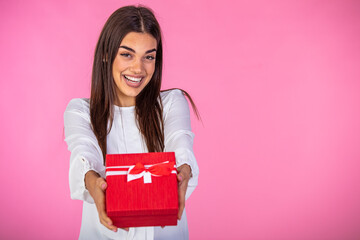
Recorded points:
(132, 50)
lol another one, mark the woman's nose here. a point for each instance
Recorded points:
(137, 66)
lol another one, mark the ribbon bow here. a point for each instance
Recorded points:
(139, 171)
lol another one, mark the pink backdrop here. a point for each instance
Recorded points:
(278, 87)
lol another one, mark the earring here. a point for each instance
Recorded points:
(105, 58)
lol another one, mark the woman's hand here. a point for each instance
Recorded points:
(183, 176)
(96, 186)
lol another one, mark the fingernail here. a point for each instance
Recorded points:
(114, 229)
(103, 186)
(180, 177)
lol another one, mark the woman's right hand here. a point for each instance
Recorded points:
(96, 186)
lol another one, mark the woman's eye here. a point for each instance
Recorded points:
(150, 58)
(125, 54)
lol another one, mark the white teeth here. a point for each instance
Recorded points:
(132, 78)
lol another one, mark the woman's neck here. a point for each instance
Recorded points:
(127, 102)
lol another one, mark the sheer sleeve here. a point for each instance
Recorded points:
(86, 154)
(178, 134)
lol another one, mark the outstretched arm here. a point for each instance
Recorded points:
(179, 139)
(86, 160)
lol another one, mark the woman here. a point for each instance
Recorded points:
(127, 113)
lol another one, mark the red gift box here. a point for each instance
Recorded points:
(142, 189)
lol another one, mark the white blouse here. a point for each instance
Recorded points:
(125, 137)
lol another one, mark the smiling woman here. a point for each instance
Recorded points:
(134, 66)
(127, 113)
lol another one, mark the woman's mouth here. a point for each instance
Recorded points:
(133, 81)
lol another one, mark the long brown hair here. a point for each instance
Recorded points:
(148, 104)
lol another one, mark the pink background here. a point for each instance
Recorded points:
(278, 87)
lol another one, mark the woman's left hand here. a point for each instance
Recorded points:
(183, 176)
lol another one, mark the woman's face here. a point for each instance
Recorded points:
(133, 66)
